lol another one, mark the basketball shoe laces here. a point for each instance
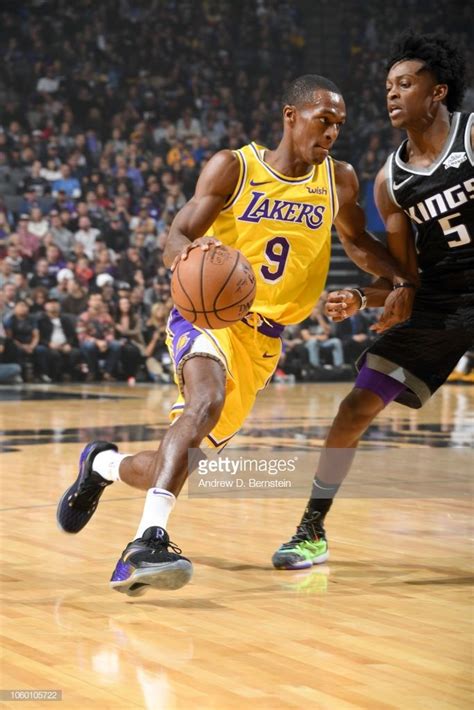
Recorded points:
(155, 543)
(309, 529)
(161, 544)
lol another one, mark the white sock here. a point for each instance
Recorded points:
(107, 463)
(158, 506)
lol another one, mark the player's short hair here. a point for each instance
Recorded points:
(440, 56)
(301, 89)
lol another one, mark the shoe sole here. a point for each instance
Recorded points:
(67, 492)
(58, 522)
(168, 576)
(304, 564)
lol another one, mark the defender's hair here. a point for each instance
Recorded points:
(440, 56)
(301, 90)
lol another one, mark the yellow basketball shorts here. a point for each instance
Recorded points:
(248, 353)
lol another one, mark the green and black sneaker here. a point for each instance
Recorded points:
(307, 547)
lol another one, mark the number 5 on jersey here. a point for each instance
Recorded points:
(463, 236)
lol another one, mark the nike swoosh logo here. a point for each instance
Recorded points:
(265, 355)
(397, 186)
(255, 184)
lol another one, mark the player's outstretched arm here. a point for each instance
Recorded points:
(215, 185)
(366, 251)
(361, 247)
(401, 245)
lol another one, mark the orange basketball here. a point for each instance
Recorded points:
(214, 288)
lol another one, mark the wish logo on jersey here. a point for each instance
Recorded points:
(262, 207)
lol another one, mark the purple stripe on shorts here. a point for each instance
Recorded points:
(183, 336)
(267, 327)
(386, 387)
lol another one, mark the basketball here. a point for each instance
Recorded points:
(213, 288)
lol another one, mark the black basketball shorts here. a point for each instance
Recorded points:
(423, 351)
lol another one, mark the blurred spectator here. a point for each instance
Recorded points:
(29, 242)
(49, 82)
(39, 296)
(70, 186)
(22, 342)
(138, 305)
(8, 298)
(105, 284)
(38, 224)
(130, 267)
(116, 235)
(7, 275)
(188, 126)
(5, 229)
(317, 337)
(160, 289)
(36, 182)
(55, 261)
(10, 372)
(58, 350)
(83, 271)
(23, 290)
(99, 348)
(128, 330)
(13, 255)
(42, 275)
(61, 291)
(87, 235)
(61, 236)
(75, 302)
(294, 358)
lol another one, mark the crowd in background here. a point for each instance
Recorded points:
(108, 112)
(102, 138)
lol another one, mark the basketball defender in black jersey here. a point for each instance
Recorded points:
(425, 194)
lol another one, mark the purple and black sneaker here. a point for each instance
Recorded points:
(148, 562)
(78, 503)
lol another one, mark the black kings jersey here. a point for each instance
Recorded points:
(439, 201)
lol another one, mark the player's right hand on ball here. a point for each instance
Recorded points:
(341, 305)
(204, 243)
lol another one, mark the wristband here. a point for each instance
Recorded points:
(403, 284)
(362, 296)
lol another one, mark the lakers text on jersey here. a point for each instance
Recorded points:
(283, 226)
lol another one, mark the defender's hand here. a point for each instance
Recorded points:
(397, 309)
(341, 305)
(204, 243)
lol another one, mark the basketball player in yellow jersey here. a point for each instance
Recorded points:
(277, 207)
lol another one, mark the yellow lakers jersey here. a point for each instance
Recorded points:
(283, 227)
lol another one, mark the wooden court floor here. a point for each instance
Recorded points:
(386, 623)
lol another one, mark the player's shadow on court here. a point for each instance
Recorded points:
(387, 572)
(457, 581)
(176, 603)
(219, 563)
